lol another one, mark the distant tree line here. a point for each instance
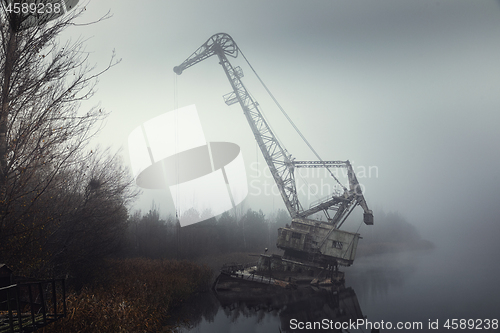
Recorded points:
(150, 236)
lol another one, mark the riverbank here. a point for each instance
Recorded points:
(133, 295)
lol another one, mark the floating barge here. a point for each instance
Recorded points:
(274, 271)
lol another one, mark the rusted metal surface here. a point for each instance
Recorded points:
(276, 271)
(317, 242)
(298, 272)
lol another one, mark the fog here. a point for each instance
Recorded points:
(410, 89)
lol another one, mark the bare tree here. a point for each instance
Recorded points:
(43, 136)
(92, 213)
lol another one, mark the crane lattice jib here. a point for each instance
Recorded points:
(276, 157)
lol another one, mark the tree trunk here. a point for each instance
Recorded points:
(4, 116)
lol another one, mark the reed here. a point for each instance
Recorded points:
(133, 295)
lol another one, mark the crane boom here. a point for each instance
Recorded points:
(276, 157)
(221, 42)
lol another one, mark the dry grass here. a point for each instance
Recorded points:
(133, 295)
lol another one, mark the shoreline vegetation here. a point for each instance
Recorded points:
(133, 295)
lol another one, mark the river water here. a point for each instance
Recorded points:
(419, 291)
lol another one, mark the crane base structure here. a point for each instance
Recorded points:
(317, 242)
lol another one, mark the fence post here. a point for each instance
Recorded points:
(63, 282)
(42, 300)
(30, 294)
(20, 321)
(54, 298)
(9, 307)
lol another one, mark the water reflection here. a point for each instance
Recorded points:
(323, 307)
(375, 276)
(285, 310)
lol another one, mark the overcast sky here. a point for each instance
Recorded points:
(409, 88)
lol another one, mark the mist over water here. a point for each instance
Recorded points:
(452, 280)
(436, 284)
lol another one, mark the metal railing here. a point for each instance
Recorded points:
(25, 307)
